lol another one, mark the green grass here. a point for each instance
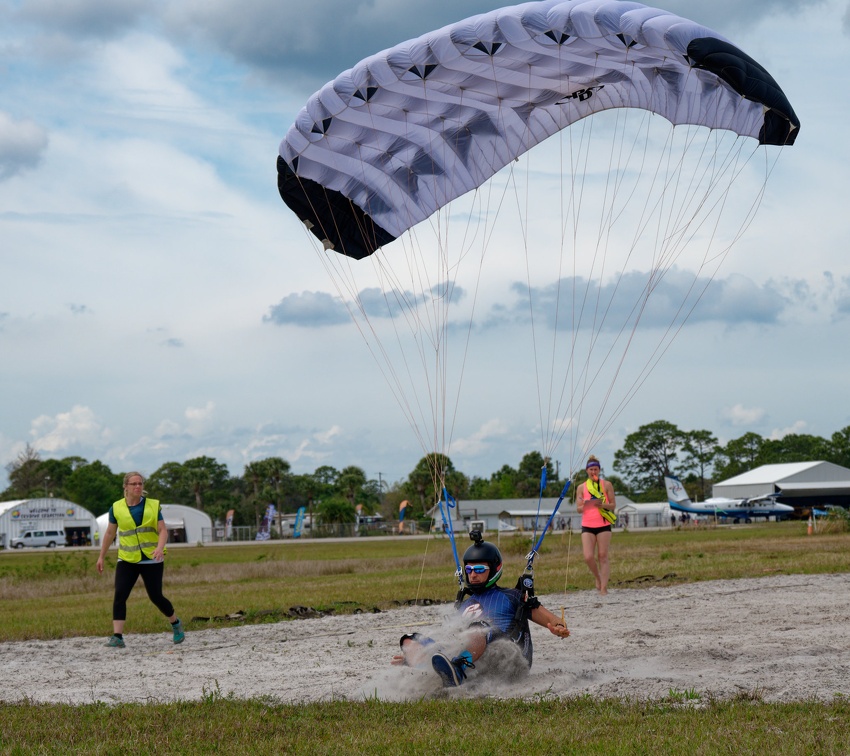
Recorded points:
(580, 725)
(59, 594)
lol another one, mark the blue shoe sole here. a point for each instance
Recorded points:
(447, 671)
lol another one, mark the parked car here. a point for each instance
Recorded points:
(49, 538)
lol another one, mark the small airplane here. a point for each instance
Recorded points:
(736, 509)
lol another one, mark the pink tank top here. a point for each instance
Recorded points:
(591, 518)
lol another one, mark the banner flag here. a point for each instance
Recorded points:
(402, 510)
(264, 533)
(299, 521)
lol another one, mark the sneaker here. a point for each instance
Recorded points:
(177, 629)
(115, 642)
(451, 671)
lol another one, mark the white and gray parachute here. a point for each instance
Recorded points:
(400, 137)
(389, 142)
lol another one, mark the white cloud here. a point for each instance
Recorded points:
(477, 442)
(22, 145)
(738, 415)
(199, 417)
(795, 428)
(77, 427)
(325, 437)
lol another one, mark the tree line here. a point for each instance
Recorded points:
(647, 455)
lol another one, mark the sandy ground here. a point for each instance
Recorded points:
(781, 638)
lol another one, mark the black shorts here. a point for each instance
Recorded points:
(596, 531)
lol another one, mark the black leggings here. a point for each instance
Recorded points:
(126, 575)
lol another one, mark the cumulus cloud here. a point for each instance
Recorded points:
(478, 441)
(738, 415)
(325, 437)
(85, 18)
(639, 298)
(77, 427)
(167, 429)
(316, 309)
(738, 299)
(311, 309)
(779, 433)
(295, 444)
(199, 418)
(842, 297)
(727, 15)
(299, 40)
(22, 145)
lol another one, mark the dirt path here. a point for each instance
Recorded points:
(780, 638)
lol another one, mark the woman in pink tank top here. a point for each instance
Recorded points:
(595, 530)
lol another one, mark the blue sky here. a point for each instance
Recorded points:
(159, 302)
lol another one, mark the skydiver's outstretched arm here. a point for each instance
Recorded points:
(542, 616)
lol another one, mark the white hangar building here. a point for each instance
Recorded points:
(33, 515)
(800, 484)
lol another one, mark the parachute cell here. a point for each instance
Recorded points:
(406, 131)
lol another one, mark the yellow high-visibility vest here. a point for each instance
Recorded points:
(136, 540)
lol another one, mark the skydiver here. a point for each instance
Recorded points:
(489, 613)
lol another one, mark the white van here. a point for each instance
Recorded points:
(49, 538)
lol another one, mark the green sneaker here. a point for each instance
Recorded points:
(177, 629)
(115, 642)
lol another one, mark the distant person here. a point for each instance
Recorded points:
(591, 496)
(491, 614)
(141, 550)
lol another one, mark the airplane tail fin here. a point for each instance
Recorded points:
(676, 493)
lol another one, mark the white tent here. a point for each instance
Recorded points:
(21, 515)
(185, 524)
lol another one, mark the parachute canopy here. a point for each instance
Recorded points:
(392, 140)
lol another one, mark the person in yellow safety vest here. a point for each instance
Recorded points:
(592, 497)
(142, 535)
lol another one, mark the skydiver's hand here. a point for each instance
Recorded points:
(558, 629)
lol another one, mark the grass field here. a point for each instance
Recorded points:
(59, 594)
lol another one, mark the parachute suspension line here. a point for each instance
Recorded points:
(585, 377)
(681, 315)
(422, 570)
(552, 428)
(526, 580)
(598, 427)
(569, 552)
(608, 218)
(542, 488)
(673, 198)
(340, 271)
(451, 503)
